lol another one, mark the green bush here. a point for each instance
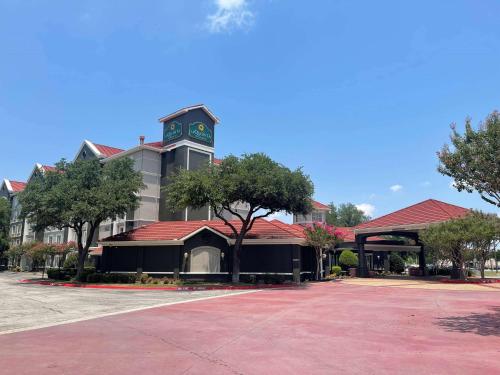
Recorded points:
(396, 263)
(64, 274)
(336, 270)
(71, 260)
(114, 278)
(348, 259)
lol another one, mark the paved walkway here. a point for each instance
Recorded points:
(24, 306)
(326, 328)
(423, 284)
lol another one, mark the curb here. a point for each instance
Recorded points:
(168, 288)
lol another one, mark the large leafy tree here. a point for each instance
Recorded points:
(265, 185)
(81, 195)
(4, 224)
(345, 215)
(474, 160)
(321, 237)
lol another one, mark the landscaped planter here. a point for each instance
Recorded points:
(353, 272)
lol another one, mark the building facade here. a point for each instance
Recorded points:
(188, 141)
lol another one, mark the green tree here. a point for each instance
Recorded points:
(4, 224)
(396, 263)
(321, 237)
(474, 162)
(81, 195)
(345, 215)
(266, 186)
(483, 231)
(348, 259)
(449, 241)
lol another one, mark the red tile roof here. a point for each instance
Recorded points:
(176, 230)
(217, 161)
(107, 151)
(295, 229)
(158, 144)
(429, 211)
(49, 168)
(17, 186)
(320, 206)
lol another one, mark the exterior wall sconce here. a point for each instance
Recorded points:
(222, 255)
(185, 255)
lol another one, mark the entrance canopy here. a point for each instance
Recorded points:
(406, 222)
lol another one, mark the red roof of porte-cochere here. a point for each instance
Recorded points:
(429, 211)
(217, 161)
(320, 206)
(17, 186)
(176, 230)
(107, 151)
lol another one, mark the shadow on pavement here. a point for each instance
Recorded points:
(486, 324)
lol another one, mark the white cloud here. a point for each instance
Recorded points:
(230, 15)
(367, 208)
(425, 184)
(396, 188)
(282, 216)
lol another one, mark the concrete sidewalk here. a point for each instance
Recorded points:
(25, 306)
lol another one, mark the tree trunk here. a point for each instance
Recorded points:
(236, 259)
(318, 264)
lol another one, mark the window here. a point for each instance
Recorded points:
(58, 238)
(317, 216)
(50, 239)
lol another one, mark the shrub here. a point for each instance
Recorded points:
(396, 264)
(348, 259)
(143, 278)
(115, 278)
(336, 270)
(71, 260)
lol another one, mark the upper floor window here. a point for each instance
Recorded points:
(318, 216)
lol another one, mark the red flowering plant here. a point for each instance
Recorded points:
(321, 237)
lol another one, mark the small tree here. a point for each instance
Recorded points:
(266, 186)
(15, 253)
(449, 241)
(39, 253)
(396, 263)
(483, 231)
(474, 163)
(321, 237)
(81, 195)
(348, 259)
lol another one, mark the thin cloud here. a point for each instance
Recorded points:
(396, 188)
(367, 208)
(425, 184)
(230, 15)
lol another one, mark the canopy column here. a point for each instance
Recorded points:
(362, 267)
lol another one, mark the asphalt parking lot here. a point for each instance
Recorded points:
(25, 306)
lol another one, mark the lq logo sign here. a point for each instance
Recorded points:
(198, 130)
(172, 131)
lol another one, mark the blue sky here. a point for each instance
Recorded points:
(359, 93)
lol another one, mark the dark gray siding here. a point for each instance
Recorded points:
(196, 115)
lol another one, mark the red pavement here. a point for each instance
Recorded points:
(324, 329)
